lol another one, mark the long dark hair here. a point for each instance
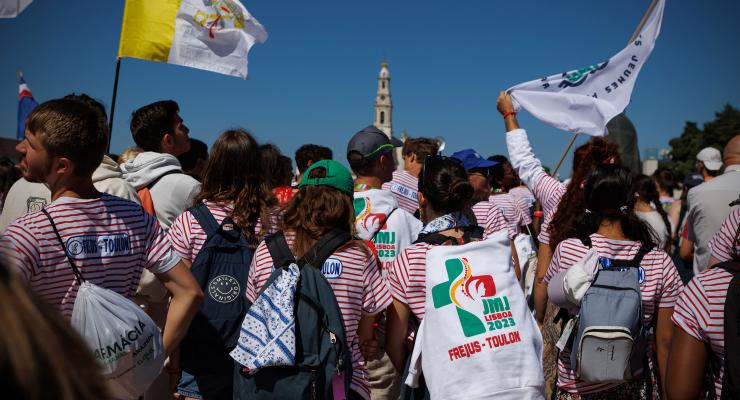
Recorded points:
(586, 157)
(606, 195)
(444, 182)
(314, 210)
(234, 175)
(644, 187)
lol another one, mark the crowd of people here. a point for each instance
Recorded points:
(214, 247)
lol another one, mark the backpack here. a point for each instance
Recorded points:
(145, 194)
(478, 338)
(611, 341)
(221, 269)
(323, 361)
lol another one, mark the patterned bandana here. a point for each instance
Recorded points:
(445, 222)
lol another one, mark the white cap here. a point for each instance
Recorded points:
(711, 158)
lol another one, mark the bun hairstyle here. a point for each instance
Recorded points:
(586, 158)
(606, 194)
(444, 182)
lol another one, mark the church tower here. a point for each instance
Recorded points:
(383, 106)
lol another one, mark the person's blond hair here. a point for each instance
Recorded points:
(41, 356)
(129, 154)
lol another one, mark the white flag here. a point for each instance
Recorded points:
(11, 8)
(584, 100)
(215, 37)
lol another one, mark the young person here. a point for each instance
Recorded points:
(324, 202)
(25, 197)
(241, 194)
(278, 172)
(381, 222)
(194, 161)
(445, 195)
(309, 154)
(561, 203)
(111, 239)
(666, 183)
(645, 201)
(160, 132)
(613, 230)
(404, 183)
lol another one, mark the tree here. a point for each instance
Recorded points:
(714, 134)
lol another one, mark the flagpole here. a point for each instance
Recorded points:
(113, 103)
(634, 35)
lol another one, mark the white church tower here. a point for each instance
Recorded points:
(383, 105)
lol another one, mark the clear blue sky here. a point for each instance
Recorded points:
(314, 80)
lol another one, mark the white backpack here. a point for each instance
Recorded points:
(123, 338)
(478, 338)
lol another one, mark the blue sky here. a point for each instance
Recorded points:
(314, 80)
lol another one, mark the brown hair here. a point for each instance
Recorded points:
(585, 159)
(70, 128)
(41, 356)
(151, 122)
(421, 146)
(234, 175)
(314, 210)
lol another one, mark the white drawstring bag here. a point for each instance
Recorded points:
(123, 338)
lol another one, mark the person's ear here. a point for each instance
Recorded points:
(412, 158)
(62, 165)
(167, 142)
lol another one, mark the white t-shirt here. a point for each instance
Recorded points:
(110, 239)
(656, 223)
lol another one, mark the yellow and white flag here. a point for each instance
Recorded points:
(214, 35)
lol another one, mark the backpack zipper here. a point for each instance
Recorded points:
(313, 385)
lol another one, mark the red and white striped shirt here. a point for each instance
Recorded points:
(546, 189)
(492, 219)
(110, 239)
(725, 242)
(187, 236)
(358, 287)
(659, 289)
(514, 210)
(404, 187)
(407, 277)
(700, 312)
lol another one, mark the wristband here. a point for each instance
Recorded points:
(538, 214)
(508, 113)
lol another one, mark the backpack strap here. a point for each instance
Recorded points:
(325, 246)
(170, 172)
(76, 270)
(205, 218)
(279, 250)
(635, 261)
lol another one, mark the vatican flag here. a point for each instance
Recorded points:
(214, 35)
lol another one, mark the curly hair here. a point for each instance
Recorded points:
(244, 187)
(585, 159)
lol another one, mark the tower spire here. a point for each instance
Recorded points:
(383, 105)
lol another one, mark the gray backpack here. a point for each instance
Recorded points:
(611, 340)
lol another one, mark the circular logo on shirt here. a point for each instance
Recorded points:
(223, 289)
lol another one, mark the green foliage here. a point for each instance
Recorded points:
(715, 134)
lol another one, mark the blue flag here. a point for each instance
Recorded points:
(26, 104)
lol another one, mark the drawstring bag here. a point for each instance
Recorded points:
(124, 340)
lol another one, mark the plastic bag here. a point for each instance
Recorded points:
(125, 341)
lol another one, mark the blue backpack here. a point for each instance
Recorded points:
(221, 269)
(322, 351)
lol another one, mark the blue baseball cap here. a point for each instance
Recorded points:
(472, 160)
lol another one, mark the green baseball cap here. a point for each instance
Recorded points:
(337, 176)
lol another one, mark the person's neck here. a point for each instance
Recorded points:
(663, 193)
(612, 230)
(642, 206)
(414, 169)
(76, 188)
(371, 181)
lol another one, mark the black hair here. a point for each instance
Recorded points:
(189, 159)
(606, 196)
(151, 122)
(665, 179)
(645, 188)
(276, 167)
(310, 153)
(444, 182)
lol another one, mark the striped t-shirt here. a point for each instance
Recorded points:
(700, 313)
(358, 286)
(725, 243)
(492, 219)
(546, 189)
(514, 208)
(659, 288)
(110, 240)
(187, 236)
(404, 187)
